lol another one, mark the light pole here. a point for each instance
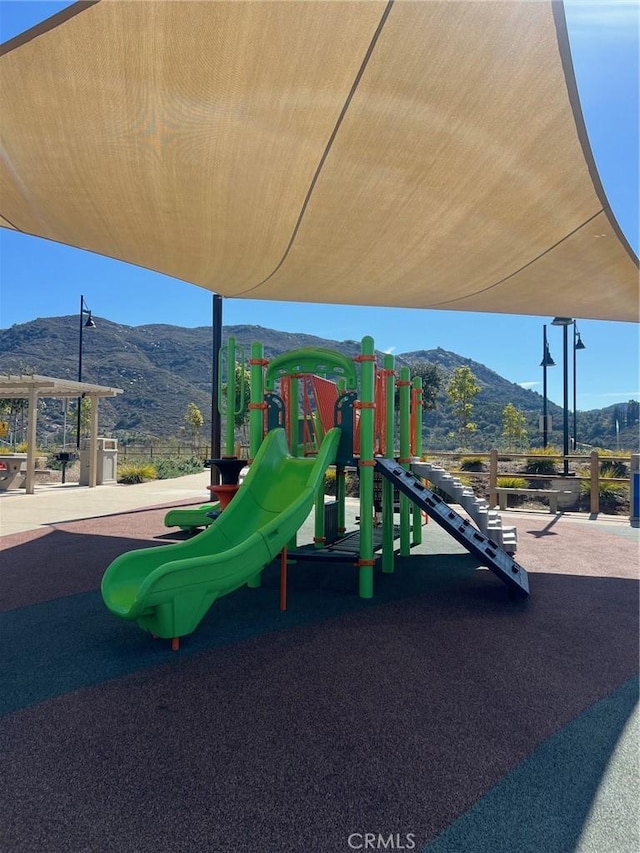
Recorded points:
(89, 324)
(216, 333)
(547, 361)
(577, 344)
(565, 322)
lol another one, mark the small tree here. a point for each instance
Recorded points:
(85, 416)
(9, 411)
(241, 412)
(195, 421)
(514, 427)
(243, 377)
(461, 392)
(431, 376)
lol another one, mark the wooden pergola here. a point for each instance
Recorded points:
(32, 387)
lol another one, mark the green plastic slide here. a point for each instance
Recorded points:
(169, 589)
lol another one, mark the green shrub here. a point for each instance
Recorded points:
(167, 469)
(330, 481)
(613, 460)
(52, 463)
(610, 495)
(466, 481)
(130, 474)
(351, 484)
(542, 462)
(612, 454)
(22, 447)
(472, 463)
(512, 482)
(613, 467)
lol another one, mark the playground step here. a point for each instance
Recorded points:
(509, 540)
(495, 534)
(486, 518)
(482, 520)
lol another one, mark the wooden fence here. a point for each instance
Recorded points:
(155, 450)
(587, 468)
(584, 467)
(161, 450)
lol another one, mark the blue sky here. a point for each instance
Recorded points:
(42, 279)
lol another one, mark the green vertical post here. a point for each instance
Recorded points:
(366, 463)
(388, 536)
(293, 415)
(404, 403)
(256, 404)
(256, 416)
(231, 395)
(417, 451)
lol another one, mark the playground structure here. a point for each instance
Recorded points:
(359, 398)
(294, 392)
(301, 421)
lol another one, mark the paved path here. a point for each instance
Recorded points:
(20, 512)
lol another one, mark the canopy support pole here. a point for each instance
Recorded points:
(216, 345)
(31, 441)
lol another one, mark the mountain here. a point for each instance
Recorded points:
(162, 368)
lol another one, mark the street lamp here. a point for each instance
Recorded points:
(547, 361)
(565, 322)
(88, 324)
(577, 344)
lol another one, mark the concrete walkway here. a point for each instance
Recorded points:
(52, 504)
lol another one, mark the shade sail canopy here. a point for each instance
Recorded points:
(417, 154)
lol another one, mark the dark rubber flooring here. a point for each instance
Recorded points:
(425, 717)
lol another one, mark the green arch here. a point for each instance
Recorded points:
(311, 360)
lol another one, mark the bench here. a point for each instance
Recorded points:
(503, 492)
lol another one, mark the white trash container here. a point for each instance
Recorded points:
(107, 461)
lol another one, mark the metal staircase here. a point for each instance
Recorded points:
(485, 549)
(488, 520)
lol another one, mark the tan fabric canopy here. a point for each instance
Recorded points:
(418, 154)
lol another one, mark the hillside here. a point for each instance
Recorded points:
(162, 368)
